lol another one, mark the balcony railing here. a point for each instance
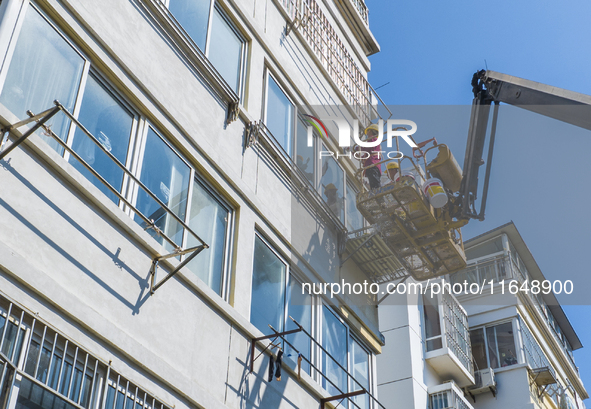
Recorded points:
(447, 396)
(457, 334)
(506, 267)
(325, 44)
(362, 10)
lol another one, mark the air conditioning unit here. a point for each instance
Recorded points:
(484, 382)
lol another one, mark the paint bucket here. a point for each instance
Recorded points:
(433, 189)
(405, 175)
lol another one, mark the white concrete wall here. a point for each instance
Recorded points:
(77, 259)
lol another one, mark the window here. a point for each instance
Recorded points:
(112, 124)
(214, 34)
(54, 372)
(494, 346)
(432, 323)
(279, 115)
(332, 185)
(360, 368)
(304, 154)
(354, 218)
(270, 305)
(334, 340)
(43, 68)
(167, 176)
(268, 288)
(210, 218)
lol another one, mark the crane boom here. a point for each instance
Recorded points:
(492, 87)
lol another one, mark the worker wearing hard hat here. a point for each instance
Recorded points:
(373, 169)
(392, 169)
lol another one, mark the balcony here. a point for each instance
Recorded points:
(447, 396)
(448, 339)
(509, 267)
(361, 10)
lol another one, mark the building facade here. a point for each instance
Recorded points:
(506, 348)
(160, 217)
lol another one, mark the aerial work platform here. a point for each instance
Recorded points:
(411, 231)
(413, 228)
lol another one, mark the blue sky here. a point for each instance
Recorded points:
(429, 51)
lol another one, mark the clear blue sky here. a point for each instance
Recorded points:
(540, 178)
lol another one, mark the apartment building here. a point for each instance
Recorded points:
(498, 349)
(158, 219)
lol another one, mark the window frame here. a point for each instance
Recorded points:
(229, 239)
(293, 129)
(351, 336)
(517, 342)
(318, 186)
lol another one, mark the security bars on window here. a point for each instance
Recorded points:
(54, 367)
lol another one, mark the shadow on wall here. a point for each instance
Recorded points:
(142, 281)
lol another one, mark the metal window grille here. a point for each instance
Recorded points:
(457, 333)
(56, 368)
(447, 399)
(334, 57)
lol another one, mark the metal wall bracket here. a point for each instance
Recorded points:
(251, 134)
(340, 397)
(253, 343)
(233, 112)
(156, 260)
(40, 120)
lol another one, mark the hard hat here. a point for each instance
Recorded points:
(392, 165)
(372, 126)
(330, 186)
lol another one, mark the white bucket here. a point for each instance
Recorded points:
(433, 189)
(405, 174)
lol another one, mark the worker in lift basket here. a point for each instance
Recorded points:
(374, 172)
(392, 169)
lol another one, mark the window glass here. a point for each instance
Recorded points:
(300, 309)
(10, 337)
(44, 68)
(359, 368)
(501, 345)
(331, 186)
(354, 218)
(478, 348)
(305, 153)
(334, 340)
(111, 124)
(438, 401)
(432, 323)
(268, 289)
(225, 50)
(33, 396)
(167, 177)
(193, 16)
(209, 219)
(279, 115)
